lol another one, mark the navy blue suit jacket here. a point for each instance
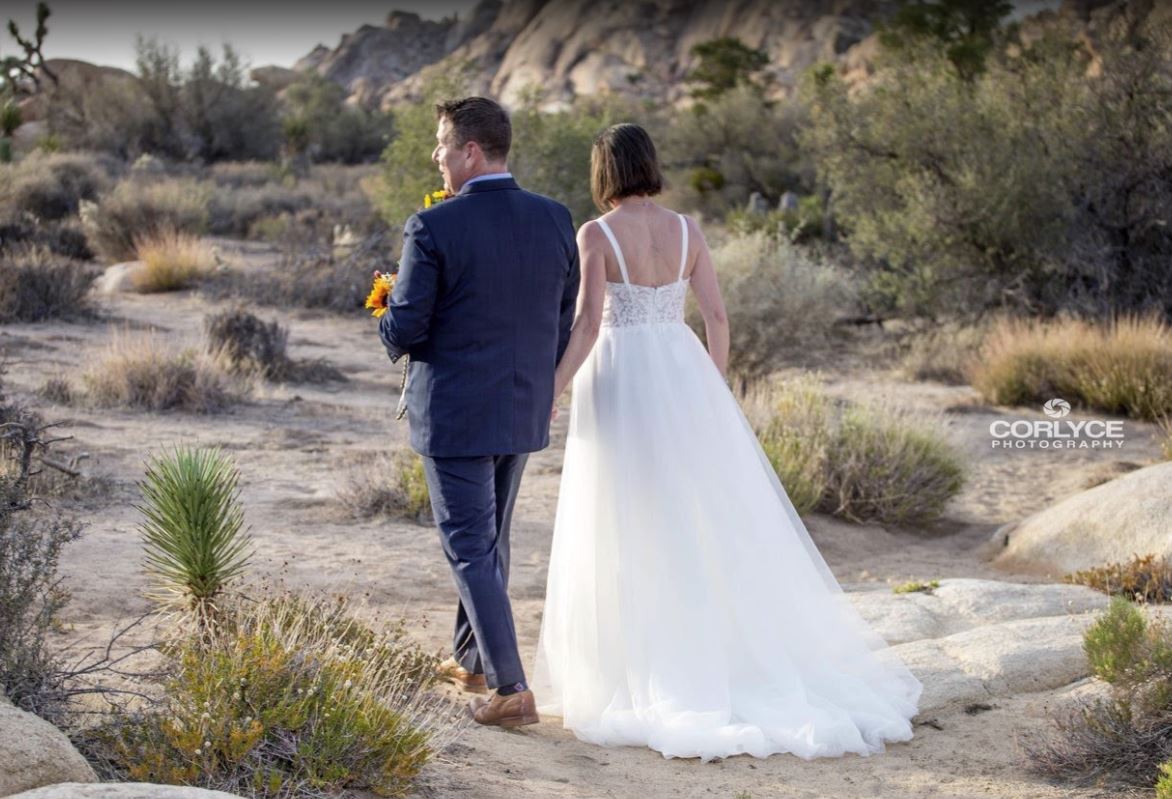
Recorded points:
(484, 302)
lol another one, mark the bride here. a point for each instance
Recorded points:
(687, 608)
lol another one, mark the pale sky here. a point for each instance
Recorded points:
(262, 32)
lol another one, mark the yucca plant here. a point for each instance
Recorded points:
(194, 529)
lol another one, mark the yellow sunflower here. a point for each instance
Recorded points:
(380, 294)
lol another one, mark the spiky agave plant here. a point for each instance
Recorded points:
(193, 532)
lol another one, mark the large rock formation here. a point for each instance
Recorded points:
(1127, 516)
(34, 753)
(975, 640)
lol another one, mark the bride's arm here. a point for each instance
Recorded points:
(707, 290)
(590, 300)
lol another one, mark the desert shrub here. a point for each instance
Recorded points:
(719, 152)
(248, 344)
(799, 225)
(859, 462)
(310, 275)
(1124, 366)
(393, 485)
(233, 212)
(1035, 184)
(1144, 578)
(50, 186)
(193, 528)
(1123, 739)
(794, 430)
(319, 122)
(31, 594)
(781, 299)
(943, 352)
(551, 150)
(890, 466)
(142, 207)
(287, 697)
(144, 373)
(171, 260)
(64, 237)
(36, 284)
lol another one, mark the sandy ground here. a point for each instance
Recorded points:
(297, 445)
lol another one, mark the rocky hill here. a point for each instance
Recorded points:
(570, 48)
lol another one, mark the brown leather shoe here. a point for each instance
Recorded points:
(459, 676)
(514, 710)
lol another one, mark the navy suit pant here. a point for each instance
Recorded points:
(472, 499)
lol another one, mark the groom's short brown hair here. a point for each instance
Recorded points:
(481, 120)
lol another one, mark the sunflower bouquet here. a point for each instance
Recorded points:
(435, 197)
(380, 293)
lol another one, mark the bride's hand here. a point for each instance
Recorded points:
(553, 414)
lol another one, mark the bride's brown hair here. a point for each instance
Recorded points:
(623, 163)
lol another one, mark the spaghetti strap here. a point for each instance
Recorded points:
(614, 243)
(684, 251)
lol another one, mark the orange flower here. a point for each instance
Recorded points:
(380, 294)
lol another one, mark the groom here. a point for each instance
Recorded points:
(484, 301)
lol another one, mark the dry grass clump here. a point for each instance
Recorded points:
(250, 346)
(393, 485)
(872, 463)
(142, 206)
(50, 186)
(36, 284)
(285, 697)
(171, 260)
(780, 299)
(1144, 578)
(944, 353)
(141, 371)
(1122, 367)
(1120, 741)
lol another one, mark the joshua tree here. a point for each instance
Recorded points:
(16, 72)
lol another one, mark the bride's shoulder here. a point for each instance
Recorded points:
(590, 233)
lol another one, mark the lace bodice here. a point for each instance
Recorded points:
(629, 303)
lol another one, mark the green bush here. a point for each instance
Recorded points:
(288, 697)
(36, 284)
(1028, 185)
(142, 207)
(781, 299)
(319, 122)
(716, 154)
(1124, 739)
(860, 463)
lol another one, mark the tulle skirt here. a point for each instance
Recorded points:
(687, 608)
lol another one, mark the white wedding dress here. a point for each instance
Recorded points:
(687, 608)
